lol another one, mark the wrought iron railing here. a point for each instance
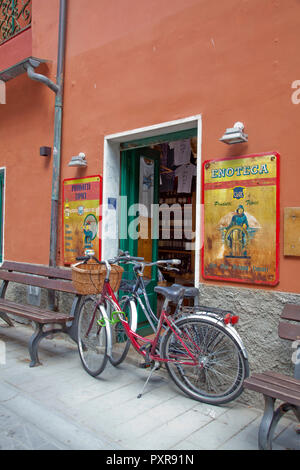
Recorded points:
(15, 16)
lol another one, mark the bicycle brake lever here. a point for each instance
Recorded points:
(170, 268)
(160, 276)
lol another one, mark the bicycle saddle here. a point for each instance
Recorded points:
(189, 292)
(174, 293)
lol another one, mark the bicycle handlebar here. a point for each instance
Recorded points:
(162, 261)
(125, 257)
(140, 266)
(148, 263)
(117, 259)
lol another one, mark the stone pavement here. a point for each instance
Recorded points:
(58, 406)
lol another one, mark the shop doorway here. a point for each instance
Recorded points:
(140, 193)
(112, 209)
(158, 218)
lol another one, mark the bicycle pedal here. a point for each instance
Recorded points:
(145, 365)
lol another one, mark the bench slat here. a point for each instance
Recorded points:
(291, 312)
(278, 375)
(281, 380)
(289, 331)
(61, 285)
(258, 383)
(4, 303)
(40, 317)
(37, 269)
(33, 314)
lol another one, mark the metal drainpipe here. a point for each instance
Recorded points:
(40, 78)
(57, 143)
(57, 131)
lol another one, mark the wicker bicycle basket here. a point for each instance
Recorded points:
(89, 278)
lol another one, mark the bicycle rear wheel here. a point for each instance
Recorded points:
(92, 337)
(120, 340)
(221, 366)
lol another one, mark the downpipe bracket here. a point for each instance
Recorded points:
(39, 77)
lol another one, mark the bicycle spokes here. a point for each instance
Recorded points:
(217, 374)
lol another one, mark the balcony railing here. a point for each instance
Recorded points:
(15, 17)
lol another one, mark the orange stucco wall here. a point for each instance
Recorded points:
(143, 62)
(16, 49)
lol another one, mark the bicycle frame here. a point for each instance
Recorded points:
(192, 337)
(107, 293)
(151, 317)
(208, 316)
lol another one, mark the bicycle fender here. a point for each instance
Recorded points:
(215, 321)
(229, 328)
(108, 330)
(134, 315)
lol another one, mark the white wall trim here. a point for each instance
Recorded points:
(154, 130)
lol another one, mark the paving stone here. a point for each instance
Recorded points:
(288, 439)
(171, 433)
(67, 433)
(220, 430)
(60, 406)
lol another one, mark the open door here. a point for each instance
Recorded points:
(139, 191)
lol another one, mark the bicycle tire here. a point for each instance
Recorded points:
(219, 375)
(92, 338)
(120, 341)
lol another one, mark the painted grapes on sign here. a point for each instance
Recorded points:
(241, 219)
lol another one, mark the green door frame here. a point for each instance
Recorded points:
(179, 135)
(130, 176)
(131, 152)
(130, 170)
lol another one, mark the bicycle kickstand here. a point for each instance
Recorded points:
(154, 368)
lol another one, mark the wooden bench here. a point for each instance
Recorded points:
(275, 386)
(55, 279)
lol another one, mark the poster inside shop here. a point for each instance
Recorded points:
(241, 219)
(81, 216)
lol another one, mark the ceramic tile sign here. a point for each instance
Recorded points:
(82, 199)
(241, 219)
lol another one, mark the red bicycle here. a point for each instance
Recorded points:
(201, 353)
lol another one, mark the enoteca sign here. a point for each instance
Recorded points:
(241, 219)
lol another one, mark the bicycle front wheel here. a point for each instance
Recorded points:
(221, 367)
(92, 337)
(120, 340)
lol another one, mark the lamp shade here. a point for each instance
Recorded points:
(235, 134)
(78, 161)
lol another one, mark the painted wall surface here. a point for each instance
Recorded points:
(16, 49)
(138, 63)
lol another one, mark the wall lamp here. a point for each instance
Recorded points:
(45, 151)
(235, 134)
(78, 161)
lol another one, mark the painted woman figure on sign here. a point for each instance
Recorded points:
(236, 234)
(88, 235)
